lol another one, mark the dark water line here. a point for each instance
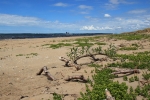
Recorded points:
(52, 35)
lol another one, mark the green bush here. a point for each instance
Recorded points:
(102, 80)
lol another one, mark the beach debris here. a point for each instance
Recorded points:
(69, 63)
(144, 82)
(125, 71)
(45, 69)
(23, 97)
(76, 77)
(108, 95)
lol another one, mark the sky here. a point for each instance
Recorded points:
(74, 16)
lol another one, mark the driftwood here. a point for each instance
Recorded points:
(76, 77)
(47, 73)
(144, 82)
(108, 95)
(92, 56)
(130, 71)
(69, 63)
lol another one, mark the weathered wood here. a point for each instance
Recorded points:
(108, 95)
(131, 71)
(144, 82)
(76, 77)
(40, 72)
(69, 63)
(47, 73)
(92, 56)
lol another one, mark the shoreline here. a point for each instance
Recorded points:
(28, 36)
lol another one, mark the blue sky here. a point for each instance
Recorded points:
(74, 16)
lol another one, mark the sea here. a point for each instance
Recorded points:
(45, 35)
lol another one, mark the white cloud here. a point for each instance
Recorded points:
(113, 4)
(107, 15)
(91, 27)
(120, 2)
(60, 4)
(118, 24)
(85, 7)
(90, 23)
(137, 11)
(15, 20)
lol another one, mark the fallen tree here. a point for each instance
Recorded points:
(77, 53)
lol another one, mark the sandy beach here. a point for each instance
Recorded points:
(21, 59)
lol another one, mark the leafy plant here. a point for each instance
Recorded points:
(95, 65)
(57, 96)
(20, 55)
(131, 79)
(111, 51)
(146, 75)
(128, 48)
(100, 43)
(125, 78)
(136, 78)
(102, 81)
(55, 46)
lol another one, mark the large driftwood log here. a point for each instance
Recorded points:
(45, 70)
(108, 95)
(131, 71)
(76, 77)
(69, 63)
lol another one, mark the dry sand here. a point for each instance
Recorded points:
(18, 73)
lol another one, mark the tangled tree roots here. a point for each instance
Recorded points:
(69, 63)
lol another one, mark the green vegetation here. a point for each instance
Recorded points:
(130, 37)
(125, 78)
(111, 51)
(95, 65)
(146, 75)
(100, 43)
(102, 80)
(128, 48)
(57, 96)
(55, 46)
(131, 79)
(139, 60)
(20, 55)
(136, 78)
(83, 44)
(31, 54)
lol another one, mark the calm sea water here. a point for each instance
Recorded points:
(33, 35)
